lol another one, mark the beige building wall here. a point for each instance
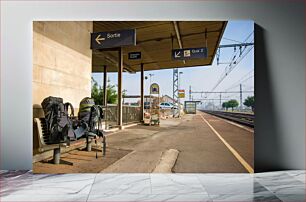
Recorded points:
(61, 62)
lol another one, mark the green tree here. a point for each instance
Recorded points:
(97, 93)
(232, 104)
(250, 102)
(111, 94)
(225, 105)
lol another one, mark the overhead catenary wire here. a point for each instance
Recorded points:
(232, 65)
(229, 69)
(241, 45)
(235, 58)
(241, 81)
(249, 36)
(231, 40)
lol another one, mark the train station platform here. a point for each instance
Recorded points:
(206, 144)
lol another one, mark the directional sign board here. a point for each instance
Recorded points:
(154, 88)
(181, 93)
(101, 40)
(134, 55)
(189, 53)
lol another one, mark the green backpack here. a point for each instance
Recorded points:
(90, 113)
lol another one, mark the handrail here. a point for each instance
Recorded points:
(130, 114)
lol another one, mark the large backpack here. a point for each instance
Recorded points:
(58, 122)
(85, 107)
(90, 113)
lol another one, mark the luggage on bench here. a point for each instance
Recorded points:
(60, 127)
(58, 122)
(92, 115)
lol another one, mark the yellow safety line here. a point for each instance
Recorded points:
(234, 152)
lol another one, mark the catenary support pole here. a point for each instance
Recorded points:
(240, 97)
(220, 101)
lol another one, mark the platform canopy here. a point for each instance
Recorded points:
(156, 40)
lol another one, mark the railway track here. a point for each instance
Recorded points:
(241, 118)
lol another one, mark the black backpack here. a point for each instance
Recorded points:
(58, 121)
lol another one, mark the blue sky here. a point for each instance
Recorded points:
(205, 77)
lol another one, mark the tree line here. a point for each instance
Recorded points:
(249, 102)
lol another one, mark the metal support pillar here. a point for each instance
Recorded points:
(120, 70)
(88, 144)
(141, 92)
(105, 86)
(57, 155)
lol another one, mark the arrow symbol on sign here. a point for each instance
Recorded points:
(177, 54)
(98, 39)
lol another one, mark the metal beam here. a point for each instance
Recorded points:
(236, 45)
(182, 37)
(178, 36)
(202, 92)
(112, 59)
(125, 66)
(212, 99)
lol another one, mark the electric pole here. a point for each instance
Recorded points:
(175, 85)
(190, 93)
(220, 101)
(240, 97)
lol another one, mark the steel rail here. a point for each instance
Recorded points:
(241, 118)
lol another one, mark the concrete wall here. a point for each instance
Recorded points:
(61, 61)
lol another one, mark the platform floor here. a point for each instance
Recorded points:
(206, 144)
(273, 186)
